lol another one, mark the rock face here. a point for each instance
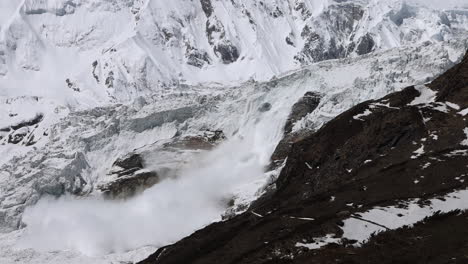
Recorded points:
(22, 132)
(131, 161)
(126, 186)
(207, 141)
(406, 151)
(129, 175)
(130, 178)
(306, 105)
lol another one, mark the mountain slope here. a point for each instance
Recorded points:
(119, 112)
(379, 166)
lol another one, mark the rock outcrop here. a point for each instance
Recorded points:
(126, 186)
(306, 105)
(129, 177)
(21, 132)
(402, 154)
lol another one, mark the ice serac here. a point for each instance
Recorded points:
(385, 181)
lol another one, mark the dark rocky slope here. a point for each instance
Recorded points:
(406, 145)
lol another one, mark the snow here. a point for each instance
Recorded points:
(426, 96)
(254, 213)
(452, 105)
(359, 116)
(218, 177)
(11, 254)
(465, 141)
(88, 125)
(302, 218)
(441, 108)
(417, 153)
(463, 112)
(200, 191)
(319, 242)
(144, 46)
(362, 226)
(394, 217)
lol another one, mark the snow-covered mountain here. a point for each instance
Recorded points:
(186, 87)
(100, 51)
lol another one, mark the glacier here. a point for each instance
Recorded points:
(115, 77)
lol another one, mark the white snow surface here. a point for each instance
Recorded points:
(394, 217)
(112, 77)
(465, 141)
(426, 96)
(367, 112)
(115, 51)
(320, 242)
(380, 219)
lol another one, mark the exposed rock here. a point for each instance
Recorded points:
(129, 185)
(366, 45)
(130, 161)
(197, 58)
(110, 80)
(227, 51)
(290, 41)
(72, 85)
(207, 141)
(96, 77)
(207, 7)
(129, 178)
(379, 153)
(34, 121)
(265, 107)
(284, 147)
(306, 105)
(341, 20)
(18, 136)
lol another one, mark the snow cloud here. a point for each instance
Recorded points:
(161, 215)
